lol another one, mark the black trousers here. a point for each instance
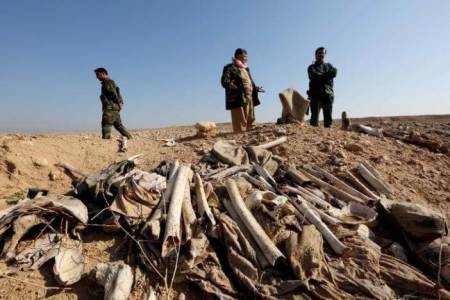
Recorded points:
(316, 104)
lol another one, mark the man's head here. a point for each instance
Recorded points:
(101, 73)
(320, 54)
(241, 54)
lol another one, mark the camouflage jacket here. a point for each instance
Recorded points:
(110, 96)
(235, 98)
(321, 77)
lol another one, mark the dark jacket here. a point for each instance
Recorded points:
(235, 98)
(321, 77)
(110, 96)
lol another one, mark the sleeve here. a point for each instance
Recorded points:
(332, 72)
(226, 77)
(315, 75)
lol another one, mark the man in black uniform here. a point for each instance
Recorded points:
(321, 94)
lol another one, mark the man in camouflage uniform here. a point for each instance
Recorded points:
(241, 93)
(112, 104)
(321, 92)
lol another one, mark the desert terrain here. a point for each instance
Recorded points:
(417, 174)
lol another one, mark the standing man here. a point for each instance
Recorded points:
(241, 93)
(321, 94)
(112, 104)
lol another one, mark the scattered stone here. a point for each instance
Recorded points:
(10, 166)
(54, 175)
(336, 161)
(341, 169)
(6, 147)
(398, 163)
(40, 162)
(280, 131)
(206, 129)
(380, 159)
(353, 147)
(341, 154)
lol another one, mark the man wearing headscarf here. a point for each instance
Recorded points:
(241, 93)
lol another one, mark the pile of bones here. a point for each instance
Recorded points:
(240, 224)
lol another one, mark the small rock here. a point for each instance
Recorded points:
(40, 162)
(54, 175)
(280, 131)
(336, 161)
(354, 147)
(6, 147)
(341, 154)
(341, 169)
(380, 159)
(10, 166)
(203, 151)
(398, 163)
(206, 129)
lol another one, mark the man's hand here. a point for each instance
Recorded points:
(232, 86)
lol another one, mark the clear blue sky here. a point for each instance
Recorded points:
(393, 57)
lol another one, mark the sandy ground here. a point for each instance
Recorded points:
(416, 174)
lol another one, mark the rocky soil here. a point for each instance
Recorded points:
(416, 174)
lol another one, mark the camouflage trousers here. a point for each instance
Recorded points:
(112, 118)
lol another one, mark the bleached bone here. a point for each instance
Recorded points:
(334, 242)
(315, 191)
(370, 130)
(71, 171)
(334, 190)
(264, 174)
(320, 213)
(377, 175)
(202, 202)
(233, 214)
(374, 182)
(308, 196)
(69, 263)
(361, 186)
(153, 224)
(325, 217)
(230, 171)
(21, 226)
(298, 177)
(272, 144)
(116, 277)
(259, 184)
(342, 185)
(355, 213)
(188, 212)
(260, 178)
(270, 251)
(172, 233)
